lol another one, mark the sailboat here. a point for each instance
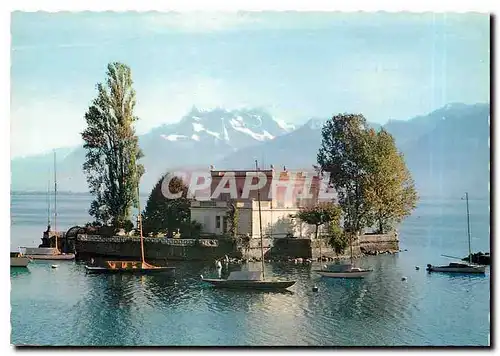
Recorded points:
(252, 280)
(49, 253)
(342, 270)
(461, 267)
(138, 267)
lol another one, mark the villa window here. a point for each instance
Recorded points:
(224, 224)
(217, 222)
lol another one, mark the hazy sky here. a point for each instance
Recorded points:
(298, 65)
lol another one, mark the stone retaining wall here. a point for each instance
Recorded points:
(155, 248)
(162, 248)
(372, 243)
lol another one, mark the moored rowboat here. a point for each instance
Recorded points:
(137, 267)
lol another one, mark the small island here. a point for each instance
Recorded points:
(348, 204)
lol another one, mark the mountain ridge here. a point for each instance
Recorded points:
(232, 139)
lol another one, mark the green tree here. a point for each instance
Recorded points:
(164, 214)
(337, 238)
(389, 187)
(320, 214)
(112, 148)
(343, 153)
(369, 174)
(233, 217)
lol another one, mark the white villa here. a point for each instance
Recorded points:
(277, 202)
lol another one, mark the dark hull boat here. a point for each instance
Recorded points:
(461, 267)
(258, 285)
(457, 268)
(250, 280)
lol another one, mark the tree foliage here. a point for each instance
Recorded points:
(112, 148)
(368, 172)
(343, 154)
(337, 238)
(232, 217)
(320, 214)
(163, 214)
(389, 188)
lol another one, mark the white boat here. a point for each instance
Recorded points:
(18, 260)
(46, 253)
(39, 250)
(254, 280)
(49, 253)
(460, 267)
(457, 268)
(343, 271)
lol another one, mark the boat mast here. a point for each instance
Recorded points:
(48, 204)
(468, 224)
(55, 198)
(320, 253)
(260, 225)
(139, 220)
(349, 223)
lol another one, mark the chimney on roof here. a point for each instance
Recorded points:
(272, 167)
(284, 168)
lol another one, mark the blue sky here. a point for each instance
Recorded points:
(297, 65)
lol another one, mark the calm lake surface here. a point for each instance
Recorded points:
(64, 306)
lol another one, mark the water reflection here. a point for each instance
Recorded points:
(381, 309)
(107, 307)
(19, 271)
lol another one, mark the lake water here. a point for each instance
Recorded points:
(65, 306)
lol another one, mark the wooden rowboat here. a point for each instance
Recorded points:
(136, 267)
(129, 267)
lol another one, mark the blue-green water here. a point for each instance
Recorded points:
(64, 306)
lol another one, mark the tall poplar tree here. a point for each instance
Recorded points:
(112, 147)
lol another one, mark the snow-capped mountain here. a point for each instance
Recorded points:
(200, 138)
(203, 137)
(235, 128)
